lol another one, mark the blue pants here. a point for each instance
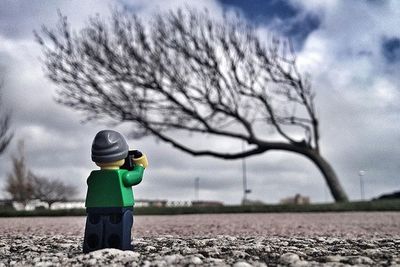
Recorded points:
(108, 228)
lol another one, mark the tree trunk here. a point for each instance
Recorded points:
(327, 171)
(50, 203)
(329, 174)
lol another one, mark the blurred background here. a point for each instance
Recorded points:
(350, 49)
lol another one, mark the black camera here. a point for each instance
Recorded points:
(132, 154)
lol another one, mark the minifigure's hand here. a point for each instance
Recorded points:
(140, 159)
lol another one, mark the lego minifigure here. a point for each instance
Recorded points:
(109, 200)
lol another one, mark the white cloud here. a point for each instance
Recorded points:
(356, 93)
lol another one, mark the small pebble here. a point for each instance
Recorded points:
(242, 264)
(196, 260)
(289, 258)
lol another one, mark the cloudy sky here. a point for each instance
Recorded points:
(350, 48)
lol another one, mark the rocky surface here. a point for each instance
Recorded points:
(17, 250)
(239, 240)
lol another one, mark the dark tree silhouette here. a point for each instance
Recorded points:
(19, 183)
(5, 134)
(23, 185)
(186, 71)
(51, 190)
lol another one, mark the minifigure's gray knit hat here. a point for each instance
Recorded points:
(109, 146)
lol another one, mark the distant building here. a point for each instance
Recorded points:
(150, 203)
(70, 204)
(178, 203)
(297, 200)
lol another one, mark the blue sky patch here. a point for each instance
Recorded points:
(279, 15)
(391, 49)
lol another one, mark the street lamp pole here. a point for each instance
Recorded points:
(196, 188)
(361, 173)
(244, 180)
(244, 169)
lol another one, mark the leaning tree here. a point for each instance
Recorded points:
(185, 71)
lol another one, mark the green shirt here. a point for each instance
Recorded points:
(112, 188)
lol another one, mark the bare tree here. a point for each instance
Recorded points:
(185, 71)
(18, 183)
(51, 191)
(23, 185)
(5, 134)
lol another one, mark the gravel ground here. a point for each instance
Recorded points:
(328, 239)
